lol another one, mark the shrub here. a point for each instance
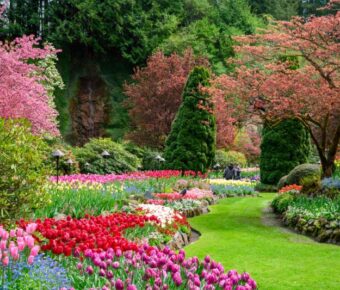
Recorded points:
(261, 187)
(283, 147)
(224, 158)
(282, 182)
(91, 161)
(302, 171)
(23, 170)
(281, 202)
(311, 185)
(192, 140)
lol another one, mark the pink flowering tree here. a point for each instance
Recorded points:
(291, 70)
(22, 90)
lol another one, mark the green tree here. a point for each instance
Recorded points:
(279, 9)
(284, 146)
(192, 140)
(24, 170)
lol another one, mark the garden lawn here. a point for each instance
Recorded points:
(234, 234)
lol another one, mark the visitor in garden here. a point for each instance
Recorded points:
(237, 172)
(229, 172)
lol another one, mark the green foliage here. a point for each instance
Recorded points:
(283, 147)
(23, 171)
(208, 28)
(279, 9)
(225, 158)
(77, 202)
(91, 161)
(192, 140)
(281, 202)
(311, 184)
(302, 171)
(134, 27)
(206, 39)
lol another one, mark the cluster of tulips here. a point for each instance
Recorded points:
(139, 175)
(17, 241)
(293, 187)
(74, 236)
(194, 193)
(153, 268)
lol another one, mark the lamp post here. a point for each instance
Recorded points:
(57, 154)
(70, 163)
(159, 159)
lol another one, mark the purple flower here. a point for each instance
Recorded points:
(119, 284)
(89, 270)
(177, 279)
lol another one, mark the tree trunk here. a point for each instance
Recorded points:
(327, 169)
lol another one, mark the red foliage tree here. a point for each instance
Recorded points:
(155, 95)
(266, 85)
(22, 94)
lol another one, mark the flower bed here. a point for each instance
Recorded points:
(152, 268)
(139, 175)
(86, 246)
(194, 193)
(318, 217)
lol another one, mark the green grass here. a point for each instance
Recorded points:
(233, 233)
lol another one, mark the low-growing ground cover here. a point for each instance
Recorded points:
(234, 234)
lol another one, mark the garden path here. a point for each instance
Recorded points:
(237, 233)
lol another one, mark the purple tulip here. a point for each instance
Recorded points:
(119, 284)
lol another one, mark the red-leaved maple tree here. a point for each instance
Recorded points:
(155, 95)
(291, 70)
(22, 94)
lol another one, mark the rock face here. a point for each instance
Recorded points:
(90, 110)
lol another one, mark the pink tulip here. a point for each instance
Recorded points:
(3, 244)
(5, 261)
(30, 260)
(20, 232)
(29, 241)
(12, 233)
(5, 235)
(21, 245)
(35, 250)
(31, 228)
(14, 252)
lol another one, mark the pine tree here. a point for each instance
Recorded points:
(192, 140)
(284, 146)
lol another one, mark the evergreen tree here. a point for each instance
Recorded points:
(192, 140)
(283, 147)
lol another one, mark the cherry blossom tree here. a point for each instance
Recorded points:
(22, 90)
(291, 70)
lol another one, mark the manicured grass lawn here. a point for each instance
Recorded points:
(233, 233)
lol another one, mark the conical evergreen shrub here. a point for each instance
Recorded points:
(283, 147)
(192, 141)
